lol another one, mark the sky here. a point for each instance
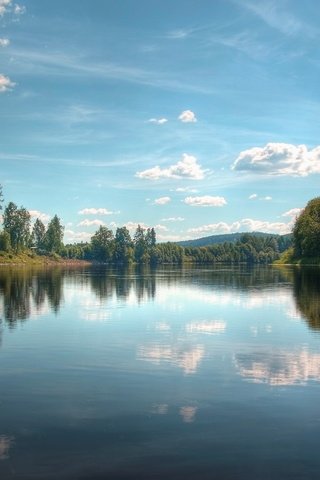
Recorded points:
(195, 117)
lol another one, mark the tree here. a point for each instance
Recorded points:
(123, 252)
(306, 231)
(140, 246)
(16, 222)
(38, 235)
(53, 240)
(102, 244)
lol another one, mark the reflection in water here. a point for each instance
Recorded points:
(206, 327)
(306, 290)
(188, 413)
(281, 368)
(187, 358)
(5, 445)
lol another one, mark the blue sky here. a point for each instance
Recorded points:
(195, 117)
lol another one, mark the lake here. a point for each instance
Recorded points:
(178, 373)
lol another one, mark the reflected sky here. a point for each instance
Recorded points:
(121, 373)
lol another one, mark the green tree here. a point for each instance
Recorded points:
(306, 231)
(5, 241)
(53, 240)
(16, 222)
(102, 245)
(38, 234)
(123, 252)
(140, 245)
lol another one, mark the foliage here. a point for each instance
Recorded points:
(53, 239)
(16, 222)
(306, 231)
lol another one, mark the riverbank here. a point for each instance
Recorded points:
(288, 258)
(33, 259)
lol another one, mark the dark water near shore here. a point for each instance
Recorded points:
(172, 373)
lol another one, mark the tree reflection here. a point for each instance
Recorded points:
(27, 291)
(306, 289)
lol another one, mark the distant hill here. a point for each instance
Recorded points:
(228, 237)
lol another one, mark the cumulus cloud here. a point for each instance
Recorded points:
(4, 4)
(132, 226)
(253, 196)
(90, 223)
(4, 42)
(44, 217)
(162, 200)
(279, 159)
(267, 198)
(244, 225)
(172, 219)
(71, 236)
(5, 83)
(158, 121)
(293, 213)
(188, 167)
(187, 116)
(205, 201)
(95, 211)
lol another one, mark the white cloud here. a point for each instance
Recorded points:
(19, 9)
(4, 42)
(5, 83)
(205, 201)
(172, 219)
(162, 200)
(44, 217)
(89, 223)
(4, 4)
(279, 159)
(158, 121)
(186, 189)
(132, 226)
(293, 213)
(188, 167)
(253, 196)
(71, 236)
(267, 198)
(244, 225)
(187, 116)
(95, 211)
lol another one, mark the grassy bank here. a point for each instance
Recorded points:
(29, 258)
(288, 258)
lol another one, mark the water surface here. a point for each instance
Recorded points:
(176, 373)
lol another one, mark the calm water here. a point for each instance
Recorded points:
(173, 373)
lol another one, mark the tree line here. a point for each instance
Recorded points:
(119, 248)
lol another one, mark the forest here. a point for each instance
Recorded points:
(20, 234)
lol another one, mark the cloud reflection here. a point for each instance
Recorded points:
(188, 359)
(188, 413)
(281, 368)
(6, 443)
(208, 327)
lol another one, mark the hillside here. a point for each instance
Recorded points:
(230, 238)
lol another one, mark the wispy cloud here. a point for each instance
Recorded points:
(188, 167)
(275, 16)
(158, 121)
(205, 201)
(33, 62)
(279, 159)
